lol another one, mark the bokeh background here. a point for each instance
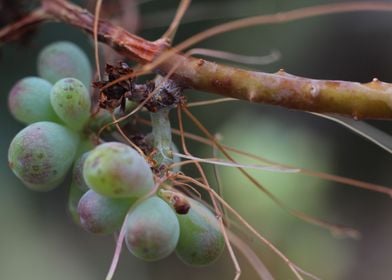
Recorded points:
(39, 241)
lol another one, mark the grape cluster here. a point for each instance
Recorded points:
(112, 184)
(55, 108)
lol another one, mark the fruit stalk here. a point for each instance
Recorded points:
(161, 131)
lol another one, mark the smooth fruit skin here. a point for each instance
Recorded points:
(74, 196)
(64, 59)
(201, 241)
(29, 101)
(116, 170)
(71, 101)
(78, 187)
(102, 215)
(152, 230)
(77, 173)
(41, 154)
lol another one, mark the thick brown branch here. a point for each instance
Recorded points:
(127, 44)
(371, 100)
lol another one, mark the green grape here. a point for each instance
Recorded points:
(70, 100)
(41, 154)
(86, 144)
(102, 215)
(78, 187)
(152, 230)
(201, 241)
(64, 59)
(77, 173)
(116, 170)
(75, 194)
(29, 101)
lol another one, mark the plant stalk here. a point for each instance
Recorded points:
(371, 100)
(161, 131)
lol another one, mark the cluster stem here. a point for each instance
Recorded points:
(161, 131)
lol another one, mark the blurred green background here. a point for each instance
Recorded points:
(39, 241)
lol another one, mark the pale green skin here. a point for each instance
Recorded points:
(64, 59)
(152, 230)
(102, 215)
(201, 241)
(78, 186)
(29, 101)
(77, 173)
(86, 144)
(71, 101)
(42, 153)
(74, 196)
(116, 170)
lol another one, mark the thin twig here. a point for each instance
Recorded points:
(210, 102)
(95, 35)
(251, 256)
(214, 202)
(291, 265)
(321, 175)
(181, 10)
(333, 228)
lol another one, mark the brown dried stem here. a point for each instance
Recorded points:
(368, 101)
(127, 44)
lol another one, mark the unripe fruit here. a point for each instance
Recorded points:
(102, 215)
(64, 59)
(74, 196)
(70, 100)
(41, 154)
(152, 230)
(29, 101)
(78, 187)
(201, 241)
(86, 144)
(116, 170)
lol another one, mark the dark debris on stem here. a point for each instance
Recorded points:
(168, 95)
